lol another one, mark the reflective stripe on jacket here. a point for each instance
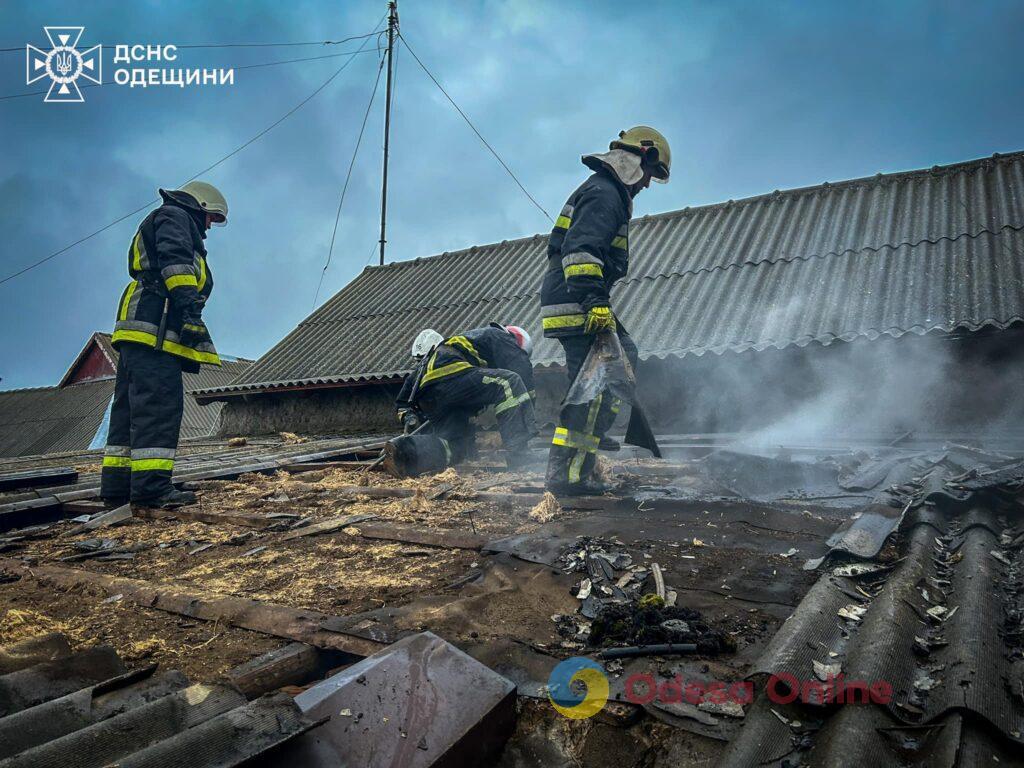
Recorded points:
(588, 251)
(489, 347)
(166, 260)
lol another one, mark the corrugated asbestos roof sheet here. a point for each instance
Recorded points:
(87, 709)
(56, 419)
(52, 419)
(912, 252)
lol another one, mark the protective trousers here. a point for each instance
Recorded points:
(145, 418)
(450, 403)
(581, 427)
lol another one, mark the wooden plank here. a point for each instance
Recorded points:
(315, 466)
(430, 538)
(37, 478)
(243, 519)
(304, 626)
(506, 499)
(326, 526)
(294, 664)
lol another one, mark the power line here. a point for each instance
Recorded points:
(348, 176)
(241, 45)
(231, 154)
(245, 66)
(470, 124)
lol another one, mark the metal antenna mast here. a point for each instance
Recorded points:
(392, 27)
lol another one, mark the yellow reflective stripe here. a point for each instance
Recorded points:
(139, 337)
(210, 358)
(136, 255)
(576, 465)
(564, 321)
(512, 403)
(461, 342)
(148, 465)
(583, 269)
(122, 313)
(563, 222)
(569, 439)
(620, 243)
(116, 461)
(176, 281)
(149, 339)
(202, 274)
(511, 400)
(433, 374)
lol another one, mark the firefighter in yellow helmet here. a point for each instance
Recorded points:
(159, 332)
(588, 251)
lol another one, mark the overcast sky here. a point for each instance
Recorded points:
(753, 97)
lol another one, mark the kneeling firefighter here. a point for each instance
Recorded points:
(159, 333)
(588, 251)
(457, 378)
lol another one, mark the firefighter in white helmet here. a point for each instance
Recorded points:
(159, 332)
(460, 376)
(588, 252)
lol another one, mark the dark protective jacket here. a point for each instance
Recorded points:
(489, 347)
(587, 253)
(167, 260)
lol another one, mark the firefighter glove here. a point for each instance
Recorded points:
(410, 420)
(599, 319)
(193, 334)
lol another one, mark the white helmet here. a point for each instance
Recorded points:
(425, 341)
(522, 338)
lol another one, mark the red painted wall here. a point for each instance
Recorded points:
(93, 366)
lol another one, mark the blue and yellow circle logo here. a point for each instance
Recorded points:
(578, 688)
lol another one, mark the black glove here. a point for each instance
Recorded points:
(411, 420)
(194, 333)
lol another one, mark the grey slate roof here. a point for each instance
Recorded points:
(913, 252)
(56, 419)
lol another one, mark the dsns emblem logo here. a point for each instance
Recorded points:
(578, 688)
(64, 64)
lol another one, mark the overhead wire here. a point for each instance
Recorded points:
(477, 132)
(226, 157)
(348, 176)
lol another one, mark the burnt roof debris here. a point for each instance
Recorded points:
(935, 639)
(84, 709)
(930, 250)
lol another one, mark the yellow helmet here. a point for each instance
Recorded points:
(651, 146)
(210, 200)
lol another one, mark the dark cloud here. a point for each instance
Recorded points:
(755, 96)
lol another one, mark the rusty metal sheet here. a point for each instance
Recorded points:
(419, 703)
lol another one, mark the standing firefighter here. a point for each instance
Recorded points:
(159, 333)
(457, 378)
(587, 253)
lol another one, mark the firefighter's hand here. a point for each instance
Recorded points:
(194, 333)
(410, 421)
(599, 319)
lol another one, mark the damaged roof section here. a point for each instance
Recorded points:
(86, 708)
(934, 633)
(930, 250)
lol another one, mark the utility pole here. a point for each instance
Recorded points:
(392, 28)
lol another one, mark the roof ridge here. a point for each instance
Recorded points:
(703, 270)
(826, 186)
